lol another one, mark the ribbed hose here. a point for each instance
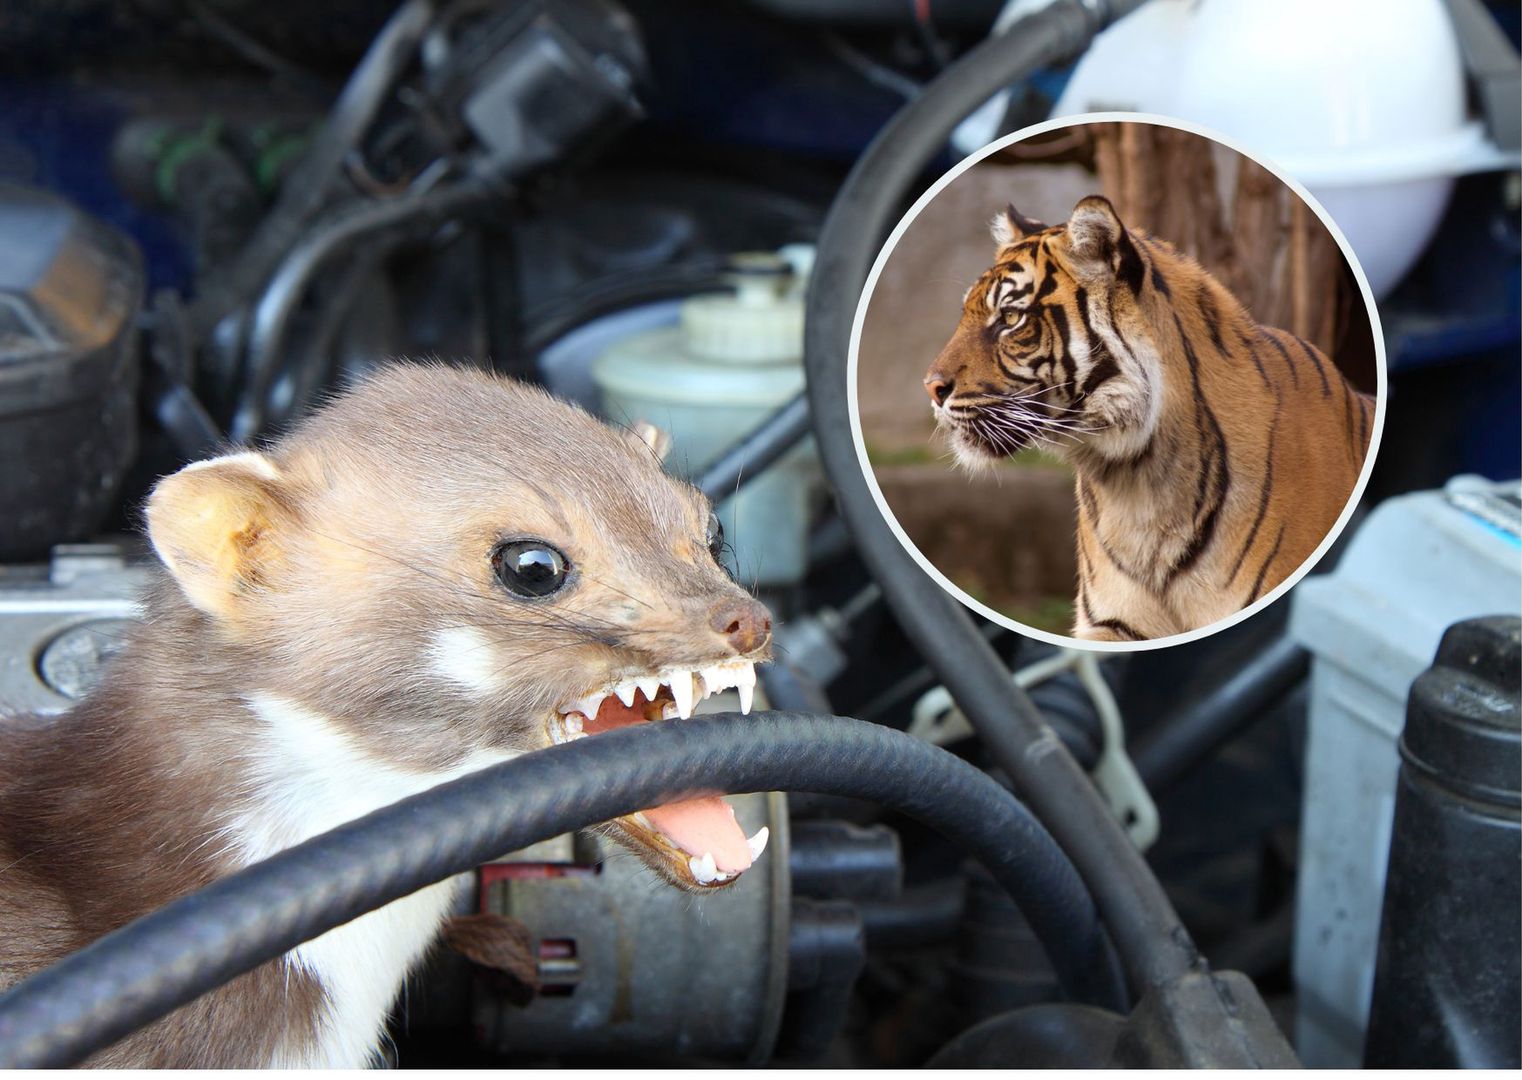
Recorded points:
(1152, 942)
(146, 969)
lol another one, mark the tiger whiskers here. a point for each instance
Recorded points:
(1035, 424)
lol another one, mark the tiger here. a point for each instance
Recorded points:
(1211, 454)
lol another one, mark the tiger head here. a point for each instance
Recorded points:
(1054, 348)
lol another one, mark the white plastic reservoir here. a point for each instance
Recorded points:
(1418, 564)
(1362, 101)
(728, 363)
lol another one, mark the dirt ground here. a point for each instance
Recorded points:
(963, 528)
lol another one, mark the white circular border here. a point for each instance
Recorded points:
(1381, 390)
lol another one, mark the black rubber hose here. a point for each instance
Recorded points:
(137, 974)
(348, 228)
(761, 447)
(1194, 733)
(1152, 942)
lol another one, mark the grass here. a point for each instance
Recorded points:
(1052, 613)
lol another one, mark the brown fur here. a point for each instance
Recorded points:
(503, 950)
(321, 573)
(1212, 454)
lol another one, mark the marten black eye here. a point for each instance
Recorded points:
(529, 568)
(715, 535)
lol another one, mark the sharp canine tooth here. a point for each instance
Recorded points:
(682, 692)
(625, 693)
(587, 706)
(745, 680)
(757, 843)
(704, 869)
(649, 685)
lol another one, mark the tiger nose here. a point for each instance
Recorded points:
(939, 388)
(745, 624)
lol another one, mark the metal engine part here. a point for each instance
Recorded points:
(60, 622)
(534, 81)
(632, 968)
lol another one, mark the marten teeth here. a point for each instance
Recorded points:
(746, 684)
(738, 674)
(704, 870)
(757, 843)
(714, 680)
(688, 687)
(568, 728)
(682, 692)
(586, 706)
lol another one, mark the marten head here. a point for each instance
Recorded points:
(442, 563)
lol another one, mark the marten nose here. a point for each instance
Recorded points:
(939, 388)
(745, 623)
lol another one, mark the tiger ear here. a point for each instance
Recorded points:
(1099, 244)
(1009, 226)
(220, 527)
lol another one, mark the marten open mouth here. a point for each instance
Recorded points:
(696, 841)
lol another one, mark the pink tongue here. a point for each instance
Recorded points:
(704, 825)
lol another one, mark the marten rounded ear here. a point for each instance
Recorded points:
(217, 525)
(1098, 243)
(647, 437)
(1009, 226)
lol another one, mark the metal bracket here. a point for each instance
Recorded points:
(937, 719)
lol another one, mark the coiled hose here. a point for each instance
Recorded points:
(141, 972)
(1153, 944)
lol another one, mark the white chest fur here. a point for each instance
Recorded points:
(311, 778)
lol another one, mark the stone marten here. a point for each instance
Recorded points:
(438, 570)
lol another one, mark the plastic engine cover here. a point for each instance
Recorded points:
(70, 289)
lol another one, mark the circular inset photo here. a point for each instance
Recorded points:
(1116, 382)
